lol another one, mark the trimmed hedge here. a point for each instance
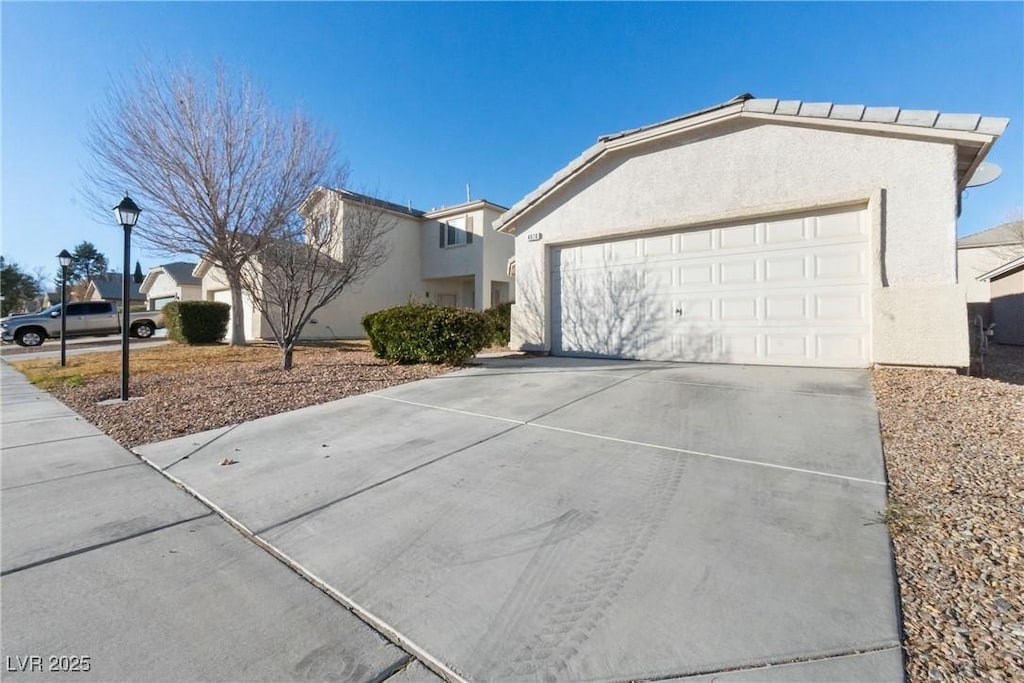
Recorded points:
(196, 322)
(424, 333)
(500, 319)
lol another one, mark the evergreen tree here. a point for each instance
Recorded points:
(19, 289)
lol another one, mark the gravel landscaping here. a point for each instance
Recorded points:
(218, 394)
(954, 449)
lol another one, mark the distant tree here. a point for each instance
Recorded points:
(138, 277)
(290, 280)
(18, 289)
(217, 172)
(87, 262)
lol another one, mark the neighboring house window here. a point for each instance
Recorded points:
(456, 233)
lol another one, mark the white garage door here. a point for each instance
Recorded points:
(792, 291)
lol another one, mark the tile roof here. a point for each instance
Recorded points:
(181, 272)
(972, 123)
(1005, 234)
(913, 119)
(109, 287)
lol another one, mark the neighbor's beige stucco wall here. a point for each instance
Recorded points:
(744, 169)
(1008, 308)
(977, 261)
(396, 282)
(164, 286)
(215, 281)
(485, 259)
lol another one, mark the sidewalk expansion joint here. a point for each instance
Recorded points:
(64, 416)
(43, 443)
(97, 546)
(776, 663)
(72, 476)
(196, 450)
(375, 623)
(393, 670)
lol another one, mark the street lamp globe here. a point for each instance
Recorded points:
(127, 212)
(65, 258)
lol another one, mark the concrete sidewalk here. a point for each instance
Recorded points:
(110, 571)
(579, 520)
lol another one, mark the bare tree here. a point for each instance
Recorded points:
(218, 172)
(290, 280)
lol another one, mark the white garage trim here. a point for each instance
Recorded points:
(784, 291)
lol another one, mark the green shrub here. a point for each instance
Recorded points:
(500, 320)
(196, 322)
(423, 333)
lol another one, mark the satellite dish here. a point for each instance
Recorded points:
(984, 174)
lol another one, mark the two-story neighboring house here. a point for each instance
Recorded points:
(448, 256)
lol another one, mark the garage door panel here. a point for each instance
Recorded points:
(791, 292)
(786, 268)
(840, 225)
(781, 232)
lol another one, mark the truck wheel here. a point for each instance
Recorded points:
(29, 337)
(142, 330)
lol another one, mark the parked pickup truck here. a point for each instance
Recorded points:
(84, 319)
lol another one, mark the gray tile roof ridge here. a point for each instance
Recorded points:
(971, 123)
(1011, 232)
(181, 272)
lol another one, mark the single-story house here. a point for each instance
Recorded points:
(447, 256)
(1007, 282)
(978, 253)
(758, 231)
(107, 287)
(171, 282)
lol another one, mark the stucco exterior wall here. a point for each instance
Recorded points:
(453, 261)
(979, 260)
(165, 286)
(745, 169)
(214, 281)
(1008, 308)
(396, 282)
(499, 248)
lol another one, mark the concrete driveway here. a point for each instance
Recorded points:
(565, 519)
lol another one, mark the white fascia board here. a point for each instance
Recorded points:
(886, 129)
(150, 278)
(1006, 267)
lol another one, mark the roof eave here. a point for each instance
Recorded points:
(1011, 265)
(609, 143)
(150, 279)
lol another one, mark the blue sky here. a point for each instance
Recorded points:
(427, 97)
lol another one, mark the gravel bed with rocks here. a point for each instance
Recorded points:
(216, 395)
(954, 451)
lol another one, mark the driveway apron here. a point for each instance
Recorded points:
(568, 519)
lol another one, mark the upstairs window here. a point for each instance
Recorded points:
(455, 233)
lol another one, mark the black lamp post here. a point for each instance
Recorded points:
(65, 262)
(127, 213)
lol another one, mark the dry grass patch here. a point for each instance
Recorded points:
(46, 373)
